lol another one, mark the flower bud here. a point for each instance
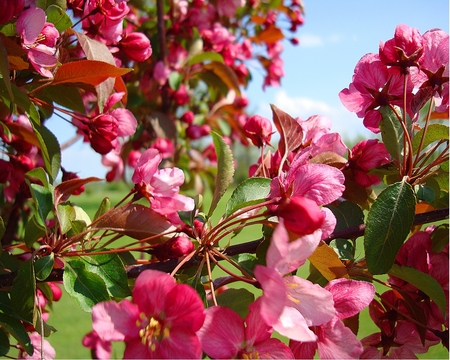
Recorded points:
(136, 46)
(259, 130)
(301, 215)
(176, 247)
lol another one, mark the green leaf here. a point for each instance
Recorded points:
(4, 342)
(84, 286)
(205, 56)
(344, 248)
(44, 201)
(435, 132)
(43, 266)
(58, 17)
(175, 79)
(392, 131)
(24, 103)
(40, 174)
(66, 213)
(111, 269)
(51, 152)
(8, 262)
(14, 327)
(388, 224)
(45, 4)
(423, 282)
(440, 238)
(246, 262)
(23, 291)
(33, 231)
(225, 170)
(237, 300)
(250, 192)
(347, 214)
(103, 208)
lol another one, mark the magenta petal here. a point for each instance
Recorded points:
(184, 308)
(222, 333)
(115, 322)
(30, 24)
(256, 329)
(150, 291)
(146, 166)
(274, 297)
(350, 296)
(127, 121)
(273, 349)
(181, 344)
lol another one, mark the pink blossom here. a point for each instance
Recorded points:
(291, 304)
(374, 85)
(181, 95)
(160, 322)
(334, 339)
(164, 146)
(161, 73)
(101, 348)
(115, 161)
(404, 50)
(228, 7)
(39, 39)
(160, 186)
(366, 155)
(224, 335)
(104, 19)
(136, 46)
(47, 350)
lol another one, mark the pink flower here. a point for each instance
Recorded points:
(366, 155)
(39, 39)
(228, 7)
(164, 146)
(224, 335)
(404, 50)
(101, 349)
(160, 187)
(259, 130)
(374, 85)
(103, 19)
(161, 73)
(159, 323)
(334, 339)
(291, 304)
(136, 46)
(47, 349)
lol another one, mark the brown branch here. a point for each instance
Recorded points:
(133, 271)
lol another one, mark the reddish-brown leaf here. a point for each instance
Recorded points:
(91, 72)
(23, 133)
(136, 221)
(270, 35)
(66, 188)
(291, 133)
(120, 86)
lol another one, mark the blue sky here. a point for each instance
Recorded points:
(336, 34)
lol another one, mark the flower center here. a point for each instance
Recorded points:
(153, 333)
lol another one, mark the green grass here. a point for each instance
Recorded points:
(73, 323)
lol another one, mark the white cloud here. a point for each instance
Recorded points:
(310, 40)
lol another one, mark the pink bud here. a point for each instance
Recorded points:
(259, 130)
(301, 215)
(176, 247)
(195, 132)
(136, 46)
(188, 117)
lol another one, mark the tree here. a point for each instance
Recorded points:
(157, 87)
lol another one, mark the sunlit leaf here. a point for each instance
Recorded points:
(250, 192)
(136, 221)
(66, 188)
(269, 35)
(44, 266)
(225, 170)
(110, 268)
(225, 73)
(58, 17)
(388, 224)
(44, 201)
(91, 72)
(434, 132)
(103, 208)
(291, 133)
(327, 262)
(205, 56)
(84, 286)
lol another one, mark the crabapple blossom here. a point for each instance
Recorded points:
(38, 39)
(100, 349)
(366, 155)
(160, 186)
(41, 347)
(136, 46)
(291, 304)
(225, 335)
(404, 50)
(334, 339)
(160, 322)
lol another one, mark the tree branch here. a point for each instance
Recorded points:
(133, 271)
